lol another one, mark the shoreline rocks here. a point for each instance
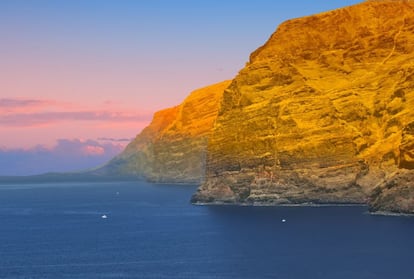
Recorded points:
(321, 113)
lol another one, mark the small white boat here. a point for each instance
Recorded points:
(104, 216)
(283, 220)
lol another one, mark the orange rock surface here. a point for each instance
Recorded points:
(173, 147)
(323, 112)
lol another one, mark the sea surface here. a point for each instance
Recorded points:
(152, 231)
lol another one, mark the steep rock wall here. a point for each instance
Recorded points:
(322, 113)
(173, 147)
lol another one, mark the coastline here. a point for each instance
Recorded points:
(390, 213)
(257, 204)
(374, 213)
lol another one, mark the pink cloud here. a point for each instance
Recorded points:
(42, 118)
(65, 155)
(86, 147)
(16, 105)
(115, 139)
(29, 113)
(13, 103)
(93, 150)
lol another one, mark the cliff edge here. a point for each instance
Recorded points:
(322, 113)
(173, 147)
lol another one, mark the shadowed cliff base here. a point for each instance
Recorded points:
(322, 113)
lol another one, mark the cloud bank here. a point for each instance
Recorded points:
(30, 112)
(67, 155)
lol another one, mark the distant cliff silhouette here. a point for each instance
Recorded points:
(322, 113)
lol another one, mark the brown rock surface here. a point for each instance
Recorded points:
(322, 112)
(173, 147)
(395, 194)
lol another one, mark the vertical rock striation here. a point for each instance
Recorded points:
(173, 147)
(322, 113)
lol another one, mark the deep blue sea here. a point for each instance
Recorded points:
(152, 231)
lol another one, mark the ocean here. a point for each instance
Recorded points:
(152, 231)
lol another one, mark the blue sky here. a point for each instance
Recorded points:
(118, 61)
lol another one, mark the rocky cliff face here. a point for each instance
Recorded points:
(323, 112)
(173, 147)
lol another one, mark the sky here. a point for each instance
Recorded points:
(80, 78)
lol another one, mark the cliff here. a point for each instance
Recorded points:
(173, 147)
(322, 113)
